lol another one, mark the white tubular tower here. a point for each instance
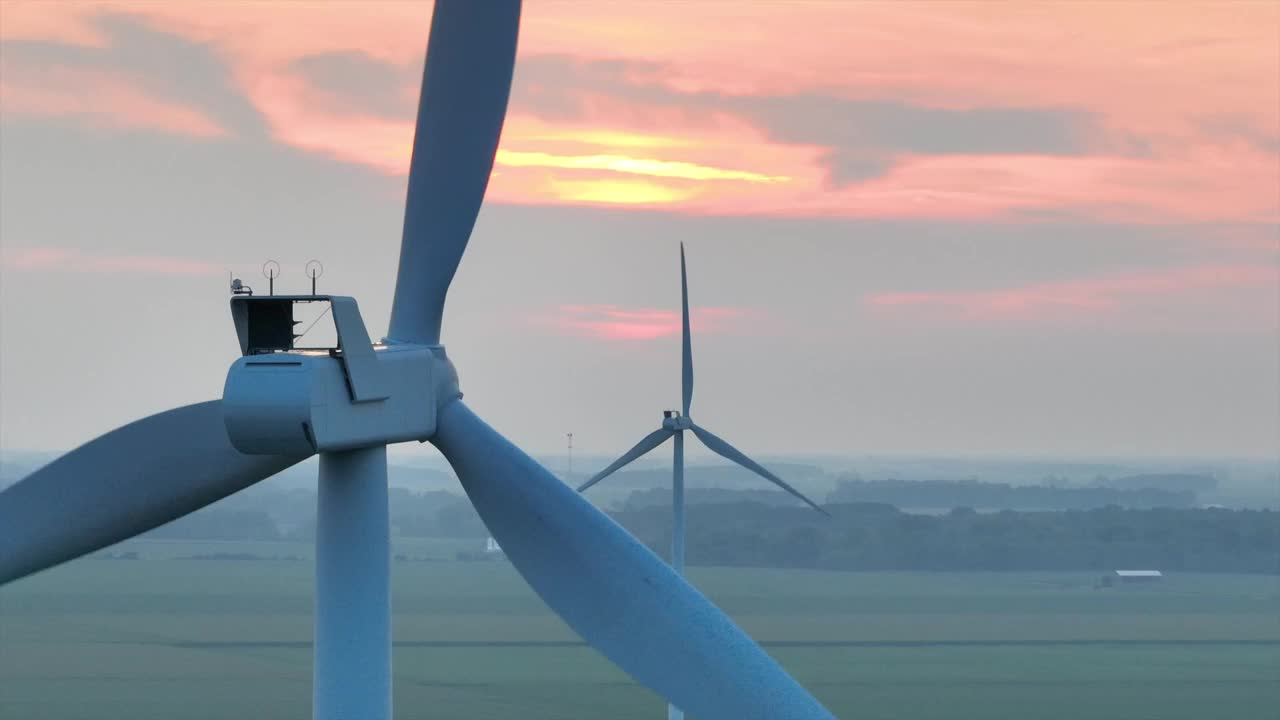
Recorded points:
(352, 671)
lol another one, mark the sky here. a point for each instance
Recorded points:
(912, 227)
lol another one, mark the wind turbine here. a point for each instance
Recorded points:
(673, 426)
(281, 405)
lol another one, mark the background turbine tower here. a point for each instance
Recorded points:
(673, 426)
(282, 404)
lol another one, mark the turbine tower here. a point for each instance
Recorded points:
(673, 426)
(281, 405)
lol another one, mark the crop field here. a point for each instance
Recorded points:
(173, 634)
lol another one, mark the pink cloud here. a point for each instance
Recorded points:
(612, 322)
(1155, 83)
(79, 261)
(64, 22)
(1218, 288)
(723, 165)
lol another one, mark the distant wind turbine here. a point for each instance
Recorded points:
(673, 425)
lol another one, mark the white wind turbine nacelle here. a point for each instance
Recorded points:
(281, 400)
(610, 589)
(300, 403)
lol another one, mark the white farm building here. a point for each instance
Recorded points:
(1131, 577)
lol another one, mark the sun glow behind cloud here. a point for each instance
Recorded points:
(616, 192)
(631, 165)
(664, 114)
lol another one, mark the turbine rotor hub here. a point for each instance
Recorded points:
(444, 377)
(673, 420)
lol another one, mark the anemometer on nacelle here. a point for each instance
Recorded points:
(281, 399)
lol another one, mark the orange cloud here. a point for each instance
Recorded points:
(1187, 104)
(600, 165)
(79, 261)
(64, 22)
(1241, 185)
(1097, 297)
(1158, 65)
(604, 164)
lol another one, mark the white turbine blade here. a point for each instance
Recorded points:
(620, 597)
(470, 56)
(729, 452)
(650, 441)
(126, 482)
(686, 367)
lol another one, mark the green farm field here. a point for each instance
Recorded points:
(168, 636)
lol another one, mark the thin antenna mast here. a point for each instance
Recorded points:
(314, 270)
(271, 270)
(569, 473)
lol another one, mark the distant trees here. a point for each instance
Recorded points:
(872, 536)
(434, 513)
(1179, 482)
(733, 528)
(662, 496)
(970, 493)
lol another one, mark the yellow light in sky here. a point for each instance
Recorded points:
(617, 192)
(637, 166)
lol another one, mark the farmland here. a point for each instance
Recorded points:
(174, 633)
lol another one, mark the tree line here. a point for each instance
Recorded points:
(875, 536)
(861, 536)
(972, 493)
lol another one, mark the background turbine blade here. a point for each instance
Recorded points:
(686, 367)
(614, 592)
(649, 442)
(729, 452)
(128, 481)
(465, 86)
